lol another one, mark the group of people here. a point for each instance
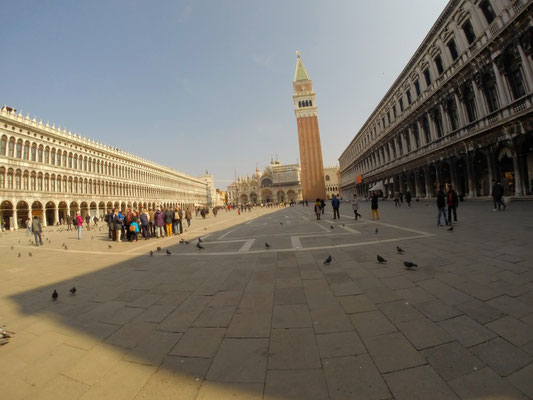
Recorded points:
(150, 224)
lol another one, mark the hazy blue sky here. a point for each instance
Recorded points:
(199, 85)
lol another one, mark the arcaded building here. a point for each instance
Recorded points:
(52, 173)
(459, 113)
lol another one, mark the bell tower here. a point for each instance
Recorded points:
(306, 110)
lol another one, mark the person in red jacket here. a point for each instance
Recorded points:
(78, 223)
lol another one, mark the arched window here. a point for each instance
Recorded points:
(11, 148)
(10, 179)
(53, 157)
(47, 156)
(25, 181)
(46, 183)
(75, 165)
(310, 103)
(70, 162)
(34, 152)
(32, 182)
(19, 149)
(40, 183)
(327, 178)
(53, 183)
(18, 180)
(27, 151)
(64, 159)
(40, 155)
(3, 145)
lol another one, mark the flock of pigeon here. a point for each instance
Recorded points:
(5, 335)
(182, 241)
(72, 291)
(407, 264)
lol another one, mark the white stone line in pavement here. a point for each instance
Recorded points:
(322, 227)
(295, 241)
(228, 232)
(246, 246)
(396, 226)
(349, 229)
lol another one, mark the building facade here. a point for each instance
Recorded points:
(331, 180)
(53, 173)
(306, 110)
(459, 113)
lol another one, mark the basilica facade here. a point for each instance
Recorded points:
(460, 112)
(52, 173)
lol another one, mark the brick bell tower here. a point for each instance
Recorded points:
(313, 185)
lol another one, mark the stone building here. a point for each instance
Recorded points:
(459, 113)
(331, 181)
(306, 110)
(52, 173)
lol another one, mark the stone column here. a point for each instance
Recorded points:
(480, 99)
(444, 120)
(502, 88)
(470, 173)
(56, 215)
(517, 175)
(417, 185)
(526, 66)
(429, 185)
(14, 226)
(460, 110)
(490, 166)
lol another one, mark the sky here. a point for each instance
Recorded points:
(206, 85)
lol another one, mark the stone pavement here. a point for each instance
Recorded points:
(240, 321)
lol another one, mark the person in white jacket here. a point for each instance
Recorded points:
(355, 206)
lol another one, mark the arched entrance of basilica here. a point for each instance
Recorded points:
(266, 195)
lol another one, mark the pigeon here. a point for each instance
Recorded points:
(55, 295)
(11, 247)
(151, 253)
(92, 237)
(158, 248)
(376, 231)
(168, 252)
(409, 264)
(400, 250)
(63, 245)
(29, 254)
(66, 248)
(182, 241)
(331, 226)
(73, 290)
(200, 247)
(19, 255)
(328, 260)
(205, 229)
(200, 240)
(343, 224)
(281, 223)
(109, 246)
(186, 242)
(267, 245)
(381, 259)
(450, 228)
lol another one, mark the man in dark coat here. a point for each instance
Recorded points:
(453, 201)
(36, 228)
(497, 195)
(335, 203)
(441, 205)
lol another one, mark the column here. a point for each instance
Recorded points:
(56, 214)
(98, 215)
(444, 120)
(460, 110)
(470, 173)
(14, 226)
(417, 185)
(526, 67)
(44, 216)
(480, 100)
(490, 166)
(517, 175)
(68, 212)
(429, 185)
(502, 89)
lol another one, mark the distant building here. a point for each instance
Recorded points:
(211, 192)
(331, 181)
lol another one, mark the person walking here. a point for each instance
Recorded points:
(441, 205)
(145, 224)
(95, 220)
(36, 228)
(408, 198)
(69, 223)
(88, 221)
(397, 199)
(168, 222)
(453, 202)
(355, 206)
(335, 204)
(497, 195)
(151, 221)
(28, 223)
(318, 208)
(374, 206)
(111, 225)
(119, 224)
(79, 223)
(188, 216)
(159, 222)
(322, 205)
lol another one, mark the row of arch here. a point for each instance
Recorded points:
(30, 151)
(13, 214)
(305, 103)
(267, 196)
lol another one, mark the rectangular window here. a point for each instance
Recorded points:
(453, 49)
(40, 155)
(25, 182)
(394, 110)
(417, 88)
(491, 94)
(468, 29)
(388, 116)
(408, 95)
(488, 11)
(438, 64)
(401, 105)
(427, 76)
(516, 82)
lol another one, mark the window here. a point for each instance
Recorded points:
(469, 32)
(516, 82)
(40, 154)
(487, 10)
(453, 49)
(407, 141)
(65, 159)
(53, 158)
(26, 151)
(32, 182)
(388, 116)
(438, 64)
(19, 150)
(452, 113)
(491, 92)
(11, 148)
(53, 184)
(2, 180)
(470, 103)
(70, 162)
(425, 129)
(427, 76)
(3, 145)
(417, 88)
(400, 102)
(46, 184)
(416, 135)
(47, 156)
(327, 178)
(408, 94)
(394, 110)
(10, 180)
(40, 183)
(34, 153)
(25, 182)
(18, 180)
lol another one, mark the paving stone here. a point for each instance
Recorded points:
(452, 360)
(122, 316)
(522, 380)
(218, 316)
(345, 288)
(250, 324)
(354, 377)
(437, 310)
(176, 378)
(146, 300)
(480, 311)
(399, 311)
(60, 387)
(240, 360)
(392, 352)
(445, 292)
(428, 385)
(233, 391)
(371, 323)
(415, 295)
(467, 331)
(131, 334)
(382, 295)
(155, 313)
(289, 295)
(355, 304)
(484, 384)
(398, 282)
(291, 316)
(339, 344)
(501, 356)
(185, 315)
(199, 342)
(293, 349)
(154, 348)
(470, 287)
(326, 320)
(226, 298)
(295, 384)
(513, 330)
(423, 333)
(511, 306)
(173, 298)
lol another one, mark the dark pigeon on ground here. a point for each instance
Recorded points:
(381, 259)
(55, 295)
(409, 264)
(151, 253)
(200, 247)
(168, 252)
(109, 246)
(73, 290)
(328, 260)
(66, 248)
(19, 255)
(186, 242)
(267, 245)
(400, 250)
(30, 254)
(376, 231)
(200, 240)
(331, 226)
